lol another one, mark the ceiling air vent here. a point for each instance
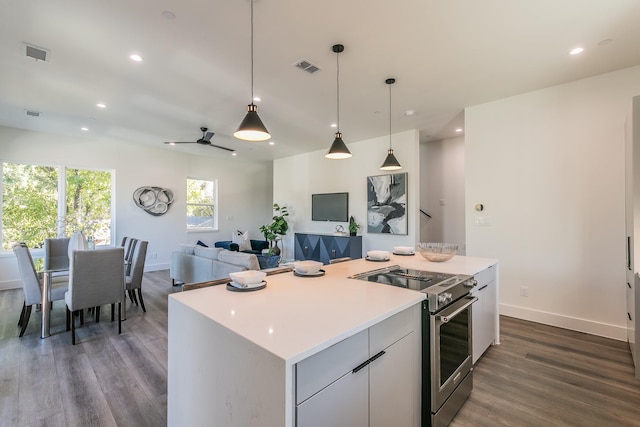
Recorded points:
(33, 113)
(305, 65)
(36, 53)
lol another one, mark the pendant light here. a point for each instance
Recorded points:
(252, 128)
(338, 149)
(390, 163)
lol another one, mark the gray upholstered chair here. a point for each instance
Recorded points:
(32, 284)
(135, 272)
(96, 278)
(129, 244)
(56, 256)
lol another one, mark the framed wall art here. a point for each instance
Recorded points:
(387, 204)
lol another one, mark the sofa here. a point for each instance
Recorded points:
(257, 246)
(195, 263)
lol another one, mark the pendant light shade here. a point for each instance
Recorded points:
(251, 128)
(390, 163)
(338, 149)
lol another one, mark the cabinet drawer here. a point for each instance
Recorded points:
(318, 371)
(485, 276)
(391, 330)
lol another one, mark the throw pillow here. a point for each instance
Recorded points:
(242, 239)
(201, 243)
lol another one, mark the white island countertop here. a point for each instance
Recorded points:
(295, 317)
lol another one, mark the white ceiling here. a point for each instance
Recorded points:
(445, 54)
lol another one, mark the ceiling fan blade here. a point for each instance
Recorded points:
(222, 148)
(207, 136)
(179, 142)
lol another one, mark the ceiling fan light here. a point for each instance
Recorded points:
(338, 150)
(390, 163)
(251, 128)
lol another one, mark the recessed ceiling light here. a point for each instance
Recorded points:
(101, 105)
(234, 154)
(135, 57)
(272, 143)
(459, 130)
(333, 125)
(167, 14)
(85, 129)
(172, 143)
(409, 112)
(576, 51)
(257, 99)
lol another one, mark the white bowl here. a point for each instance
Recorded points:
(248, 277)
(377, 255)
(307, 267)
(437, 252)
(403, 249)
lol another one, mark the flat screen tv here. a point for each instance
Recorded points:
(330, 207)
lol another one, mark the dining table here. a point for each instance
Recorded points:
(48, 275)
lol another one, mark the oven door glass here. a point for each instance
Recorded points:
(450, 348)
(454, 345)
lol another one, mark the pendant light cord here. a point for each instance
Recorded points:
(338, 88)
(252, 51)
(389, 117)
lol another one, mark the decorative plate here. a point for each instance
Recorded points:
(317, 274)
(377, 260)
(232, 288)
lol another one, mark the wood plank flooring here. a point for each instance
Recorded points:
(545, 376)
(538, 376)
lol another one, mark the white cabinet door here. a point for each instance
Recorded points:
(383, 393)
(344, 403)
(484, 312)
(390, 383)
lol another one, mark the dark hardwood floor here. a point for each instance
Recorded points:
(538, 376)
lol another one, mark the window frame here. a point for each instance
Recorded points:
(61, 201)
(215, 226)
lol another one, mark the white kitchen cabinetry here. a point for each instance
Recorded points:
(485, 311)
(369, 379)
(632, 225)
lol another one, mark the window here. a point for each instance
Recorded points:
(202, 204)
(37, 203)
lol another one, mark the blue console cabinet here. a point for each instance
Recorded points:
(326, 247)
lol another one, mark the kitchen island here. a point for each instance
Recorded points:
(267, 357)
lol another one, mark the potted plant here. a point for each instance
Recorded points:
(353, 226)
(278, 227)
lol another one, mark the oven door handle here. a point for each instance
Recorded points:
(448, 317)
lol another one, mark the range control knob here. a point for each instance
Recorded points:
(470, 283)
(444, 298)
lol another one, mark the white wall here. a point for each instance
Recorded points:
(245, 189)
(442, 192)
(549, 168)
(296, 178)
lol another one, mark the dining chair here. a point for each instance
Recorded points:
(56, 255)
(32, 284)
(96, 278)
(133, 279)
(129, 244)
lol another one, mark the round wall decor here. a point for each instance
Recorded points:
(153, 200)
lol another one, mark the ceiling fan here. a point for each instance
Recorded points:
(205, 140)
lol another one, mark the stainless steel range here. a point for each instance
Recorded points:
(447, 377)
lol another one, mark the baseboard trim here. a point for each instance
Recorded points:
(567, 322)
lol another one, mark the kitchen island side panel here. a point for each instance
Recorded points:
(218, 378)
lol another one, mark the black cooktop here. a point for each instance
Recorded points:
(417, 280)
